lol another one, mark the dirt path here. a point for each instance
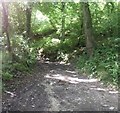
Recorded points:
(58, 87)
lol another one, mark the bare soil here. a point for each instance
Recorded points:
(58, 87)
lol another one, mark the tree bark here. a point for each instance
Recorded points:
(87, 22)
(63, 21)
(28, 20)
(5, 26)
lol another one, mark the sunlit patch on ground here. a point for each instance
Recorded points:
(58, 87)
(73, 72)
(99, 89)
(70, 79)
(113, 92)
(104, 90)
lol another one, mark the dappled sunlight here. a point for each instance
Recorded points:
(99, 89)
(55, 41)
(40, 16)
(56, 63)
(104, 90)
(73, 72)
(59, 56)
(70, 79)
(113, 92)
(63, 62)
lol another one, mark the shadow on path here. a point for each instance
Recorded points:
(58, 87)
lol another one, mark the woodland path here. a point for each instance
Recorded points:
(58, 87)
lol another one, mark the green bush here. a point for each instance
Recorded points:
(6, 76)
(56, 49)
(24, 58)
(104, 63)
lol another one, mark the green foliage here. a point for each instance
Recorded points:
(69, 44)
(7, 76)
(17, 17)
(104, 63)
(105, 19)
(56, 49)
(46, 16)
(39, 25)
(23, 58)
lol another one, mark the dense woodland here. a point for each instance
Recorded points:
(84, 34)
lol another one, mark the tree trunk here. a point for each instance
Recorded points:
(63, 21)
(117, 32)
(28, 20)
(87, 21)
(5, 26)
(0, 20)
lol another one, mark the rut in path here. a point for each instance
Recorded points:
(58, 87)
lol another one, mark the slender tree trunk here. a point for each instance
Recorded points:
(87, 21)
(81, 20)
(5, 26)
(28, 20)
(63, 21)
(0, 20)
(117, 32)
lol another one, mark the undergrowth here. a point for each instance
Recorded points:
(54, 48)
(22, 61)
(104, 63)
